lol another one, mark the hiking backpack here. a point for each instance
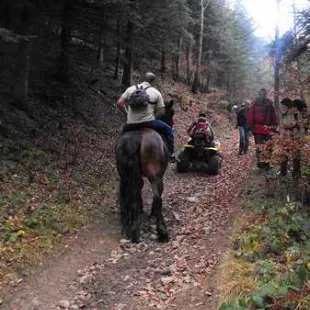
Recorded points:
(139, 98)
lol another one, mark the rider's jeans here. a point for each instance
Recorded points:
(244, 140)
(166, 130)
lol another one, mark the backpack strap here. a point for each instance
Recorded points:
(141, 87)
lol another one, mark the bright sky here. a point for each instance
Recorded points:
(264, 14)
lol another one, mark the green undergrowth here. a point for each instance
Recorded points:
(40, 206)
(269, 267)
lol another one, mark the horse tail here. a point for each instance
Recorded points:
(131, 183)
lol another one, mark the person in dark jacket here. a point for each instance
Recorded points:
(243, 131)
(167, 117)
(262, 121)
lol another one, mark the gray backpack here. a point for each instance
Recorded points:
(139, 99)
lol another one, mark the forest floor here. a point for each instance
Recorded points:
(62, 243)
(97, 269)
(60, 240)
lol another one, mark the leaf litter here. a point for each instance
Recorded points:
(150, 275)
(197, 209)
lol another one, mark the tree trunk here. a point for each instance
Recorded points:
(277, 62)
(189, 62)
(126, 81)
(118, 42)
(117, 59)
(228, 81)
(196, 79)
(163, 60)
(63, 71)
(301, 87)
(202, 81)
(208, 82)
(178, 60)
(208, 74)
(195, 83)
(21, 78)
(101, 50)
(101, 41)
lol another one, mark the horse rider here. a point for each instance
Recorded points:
(145, 118)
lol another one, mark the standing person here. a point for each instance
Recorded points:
(243, 130)
(304, 119)
(229, 111)
(231, 108)
(262, 121)
(141, 103)
(167, 117)
(289, 131)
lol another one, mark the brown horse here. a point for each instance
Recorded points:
(141, 153)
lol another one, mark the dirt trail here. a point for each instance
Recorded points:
(99, 270)
(50, 281)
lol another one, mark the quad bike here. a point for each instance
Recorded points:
(197, 154)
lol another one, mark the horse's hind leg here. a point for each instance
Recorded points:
(157, 204)
(124, 209)
(137, 214)
(141, 184)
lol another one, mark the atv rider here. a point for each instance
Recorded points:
(201, 124)
(145, 117)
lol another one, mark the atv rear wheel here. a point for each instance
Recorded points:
(214, 165)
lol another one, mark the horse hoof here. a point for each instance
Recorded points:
(135, 237)
(163, 237)
(135, 240)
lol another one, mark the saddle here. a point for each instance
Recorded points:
(148, 125)
(138, 126)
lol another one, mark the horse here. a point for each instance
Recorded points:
(141, 153)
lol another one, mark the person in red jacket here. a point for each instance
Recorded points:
(262, 121)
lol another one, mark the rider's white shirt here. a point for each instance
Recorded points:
(148, 114)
